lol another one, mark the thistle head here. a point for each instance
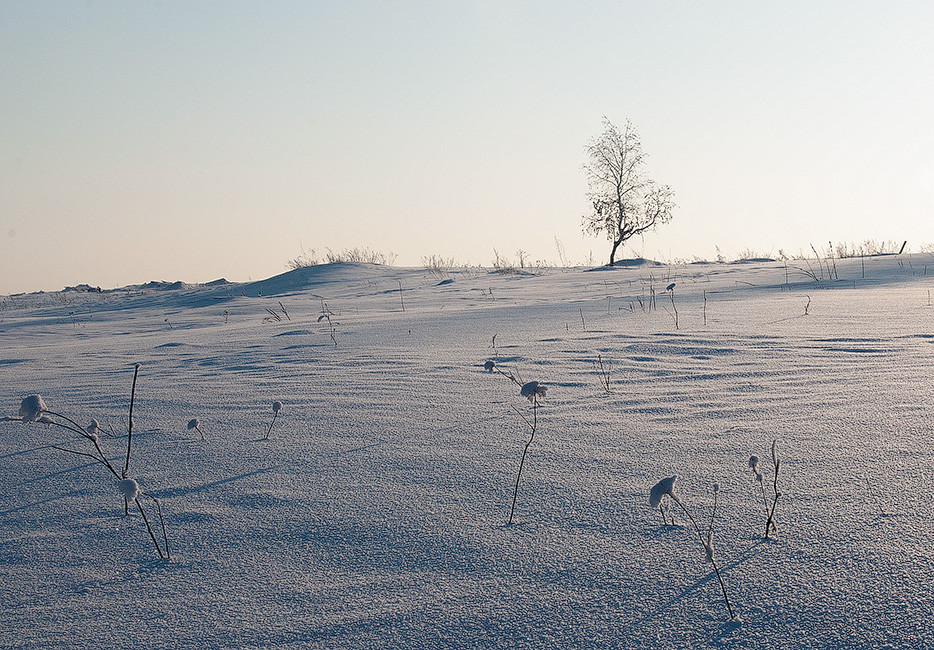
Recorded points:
(193, 423)
(753, 462)
(30, 409)
(276, 406)
(716, 488)
(489, 366)
(660, 489)
(129, 488)
(533, 390)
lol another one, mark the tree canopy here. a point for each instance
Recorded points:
(626, 202)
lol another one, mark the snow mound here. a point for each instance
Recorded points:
(313, 277)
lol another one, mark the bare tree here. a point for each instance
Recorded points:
(626, 202)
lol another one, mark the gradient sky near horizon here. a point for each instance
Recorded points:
(179, 140)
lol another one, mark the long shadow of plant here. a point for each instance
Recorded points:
(661, 493)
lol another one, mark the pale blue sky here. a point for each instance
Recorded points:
(195, 140)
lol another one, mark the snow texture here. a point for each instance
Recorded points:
(377, 519)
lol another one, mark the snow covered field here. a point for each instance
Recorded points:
(375, 514)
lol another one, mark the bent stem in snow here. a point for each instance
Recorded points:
(99, 457)
(664, 488)
(532, 425)
(129, 440)
(132, 492)
(276, 407)
(71, 425)
(671, 294)
(152, 536)
(512, 375)
(708, 549)
(660, 490)
(776, 463)
(33, 410)
(326, 314)
(129, 435)
(604, 374)
(195, 424)
(770, 525)
(532, 390)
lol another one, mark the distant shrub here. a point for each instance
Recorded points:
(868, 247)
(345, 256)
(503, 264)
(305, 259)
(749, 254)
(359, 256)
(437, 265)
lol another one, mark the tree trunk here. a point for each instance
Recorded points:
(613, 253)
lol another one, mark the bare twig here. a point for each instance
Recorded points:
(533, 425)
(776, 463)
(708, 548)
(129, 435)
(604, 374)
(671, 294)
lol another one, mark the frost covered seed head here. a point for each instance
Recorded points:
(709, 547)
(94, 427)
(753, 462)
(129, 488)
(532, 390)
(31, 408)
(660, 489)
(276, 407)
(488, 366)
(716, 488)
(193, 423)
